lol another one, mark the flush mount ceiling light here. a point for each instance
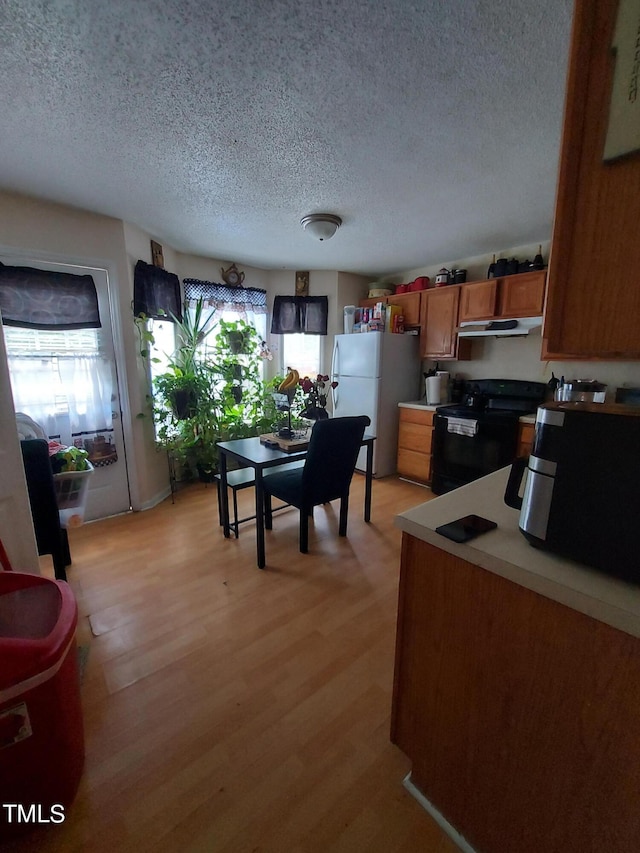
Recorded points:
(322, 226)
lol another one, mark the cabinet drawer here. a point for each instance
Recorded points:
(417, 416)
(414, 466)
(415, 437)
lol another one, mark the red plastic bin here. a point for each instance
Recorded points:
(41, 728)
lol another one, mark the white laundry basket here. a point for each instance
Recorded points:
(71, 493)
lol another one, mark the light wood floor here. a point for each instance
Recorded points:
(238, 710)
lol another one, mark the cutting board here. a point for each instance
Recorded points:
(289, 445)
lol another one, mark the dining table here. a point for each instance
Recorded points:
(253, 453)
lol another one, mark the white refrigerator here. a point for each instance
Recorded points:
(375, 371)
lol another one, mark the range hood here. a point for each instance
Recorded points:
(499, 328)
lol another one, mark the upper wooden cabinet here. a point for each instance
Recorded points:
(478, 300)
(593, 290)
(409, 302)
(371, 303)
(438, 337)
(520, 295)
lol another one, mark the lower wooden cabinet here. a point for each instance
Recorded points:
(519, 715)
(525, 439)
(414, 444)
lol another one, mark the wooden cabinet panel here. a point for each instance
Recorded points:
(410, 304)
(414, 466)
(525, 439)
(416, 416)
(593, 299)
(522, 295)
(520, 715)
(415, 431)
(438, 338)
(371, 303)
(414, 437)
(478, 300)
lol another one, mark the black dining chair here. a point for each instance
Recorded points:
(325, 476)
(51, 537)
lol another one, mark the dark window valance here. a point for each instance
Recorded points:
(156, 292)
(223, 297)
(296, 314)
(42, 299)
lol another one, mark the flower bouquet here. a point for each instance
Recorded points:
(315, 402)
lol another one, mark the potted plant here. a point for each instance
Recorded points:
(180, 385)
(228, 398)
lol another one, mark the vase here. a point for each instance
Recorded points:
(315, 413)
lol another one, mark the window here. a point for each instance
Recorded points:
(62, 380)
(163, 346)
(302, 352)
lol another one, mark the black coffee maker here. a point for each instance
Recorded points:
(581, 492)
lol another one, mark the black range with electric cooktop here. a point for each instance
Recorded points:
(479, 435)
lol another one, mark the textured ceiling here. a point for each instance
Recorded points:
(432, 128)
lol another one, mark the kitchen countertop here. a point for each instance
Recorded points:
(507, 553)
(419, 404)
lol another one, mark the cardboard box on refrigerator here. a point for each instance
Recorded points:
(394, 320)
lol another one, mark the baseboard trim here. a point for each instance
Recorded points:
(442, 822)
(155, 500)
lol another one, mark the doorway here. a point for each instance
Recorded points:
(67, 382)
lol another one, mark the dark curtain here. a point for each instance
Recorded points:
(300, 314)
(156, 292)
(41, 299)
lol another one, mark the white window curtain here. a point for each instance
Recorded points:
(61, 381)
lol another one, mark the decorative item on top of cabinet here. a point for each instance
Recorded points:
(439, 320)
(593, 301)
(415, 430)
(519, 295)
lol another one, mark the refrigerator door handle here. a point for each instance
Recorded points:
(335, 366)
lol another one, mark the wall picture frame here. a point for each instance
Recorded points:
(623, 130)
(157, 256)
(302, 283)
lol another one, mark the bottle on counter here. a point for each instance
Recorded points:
(492, 268)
